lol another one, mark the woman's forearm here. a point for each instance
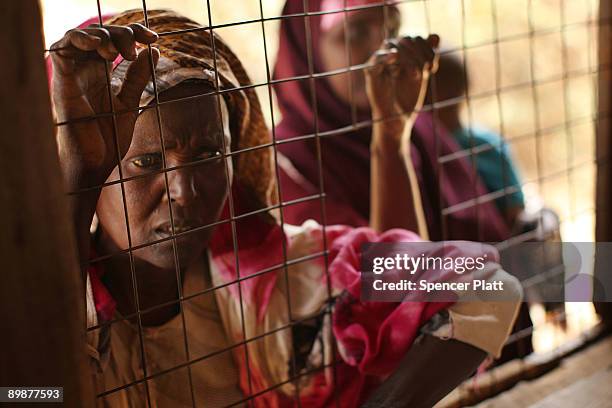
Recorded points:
(83, 198)
(83, 207)
(430, 369)
(395, 199)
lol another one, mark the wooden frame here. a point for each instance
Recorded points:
(603, 153)
(41, 294)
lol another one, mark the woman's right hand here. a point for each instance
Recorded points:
(396, 83)
(397, 80)
(82, 61)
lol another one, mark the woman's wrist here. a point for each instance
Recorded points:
(78, 176)
(384, 113)
(387, 135)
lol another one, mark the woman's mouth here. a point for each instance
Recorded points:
(165, 230)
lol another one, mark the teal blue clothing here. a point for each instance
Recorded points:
(494, 165)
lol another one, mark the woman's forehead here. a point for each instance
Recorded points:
(185, 111)
(373, 17)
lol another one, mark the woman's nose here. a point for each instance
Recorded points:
(181, 186)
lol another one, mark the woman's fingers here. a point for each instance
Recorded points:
(397, 72)
(142, 34)
(383, 59)
(430, 48)
(123, 39)
(82, 40)
(413, 54)
(106, 49)
(434, 42)
(416, 55)
(426, 49)
(106, 42)
(75, 41)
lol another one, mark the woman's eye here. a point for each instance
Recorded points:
(211, 154)
(147, 161)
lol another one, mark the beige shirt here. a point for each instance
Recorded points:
(214, 379)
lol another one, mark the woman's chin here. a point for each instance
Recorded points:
(184, 250)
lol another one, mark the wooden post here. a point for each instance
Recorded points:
(603, 230)
(41, 294)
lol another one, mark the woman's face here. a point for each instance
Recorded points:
(192, 132)
(365, 33)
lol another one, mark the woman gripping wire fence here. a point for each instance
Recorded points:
(196, 294)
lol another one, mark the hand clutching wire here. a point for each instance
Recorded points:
(396, 81)
(396, 84)
(81, 66)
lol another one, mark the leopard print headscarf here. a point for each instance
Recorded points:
(189, 55)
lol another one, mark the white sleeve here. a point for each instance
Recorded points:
(487, 322)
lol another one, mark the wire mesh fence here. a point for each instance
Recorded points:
(528, 72)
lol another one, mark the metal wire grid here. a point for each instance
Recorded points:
(471, 153)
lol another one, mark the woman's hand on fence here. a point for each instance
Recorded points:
(82, 61)
(396, 84)
(397, 80)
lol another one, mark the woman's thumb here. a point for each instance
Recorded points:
(434, 41)
(137, 76)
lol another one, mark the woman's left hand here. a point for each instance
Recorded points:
(397, 81)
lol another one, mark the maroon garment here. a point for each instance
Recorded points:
(346, 156)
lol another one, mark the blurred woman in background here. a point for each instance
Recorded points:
(338, 107)
(339, 102)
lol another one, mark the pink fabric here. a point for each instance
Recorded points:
(346, 157)
(373, 335)
(254, 236)
(295, 186)
(105, 304)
